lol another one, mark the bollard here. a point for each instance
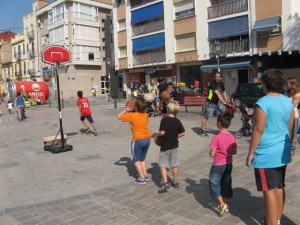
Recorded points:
(115, 101)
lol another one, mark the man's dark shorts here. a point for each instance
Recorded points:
(268, 179)
(211, 109)
(88, 117)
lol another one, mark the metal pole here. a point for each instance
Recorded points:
(115, 101)
(218, 58)
(59, 109)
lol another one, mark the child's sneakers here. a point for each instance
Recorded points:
(95, 133)
(140, 181)
(163, 188)
(204, 134)
(223, 209)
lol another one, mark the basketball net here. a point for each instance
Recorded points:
(61, 69)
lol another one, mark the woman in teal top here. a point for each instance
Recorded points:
(270, 146)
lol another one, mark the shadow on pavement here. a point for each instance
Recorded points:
(126, 161)
(72, 133)
(242, 205)
(155, 173)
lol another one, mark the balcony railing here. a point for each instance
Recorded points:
(30, 34)
(150, 57)
(17, 55)
(227, 8)
(31, 71)
(148, 27)
(31, 55)
(136, 3)
(228, 47)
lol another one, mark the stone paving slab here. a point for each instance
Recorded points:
(93, 184)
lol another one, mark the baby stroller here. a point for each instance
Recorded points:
(150, 102)
(246, 119)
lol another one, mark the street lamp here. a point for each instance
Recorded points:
(218, 51)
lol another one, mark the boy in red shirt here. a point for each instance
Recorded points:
(85, 112)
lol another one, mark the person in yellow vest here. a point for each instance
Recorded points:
(216, 93)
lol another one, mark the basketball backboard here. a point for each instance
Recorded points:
(56, 55)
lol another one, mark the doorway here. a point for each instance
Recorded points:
(243, 76)
(104, 84)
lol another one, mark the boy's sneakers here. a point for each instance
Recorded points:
(223, 209)
(204, 134)
(147, 179)
(140, 181)
(95, 133)
(175, 185)
(163, 188)
(88, 131)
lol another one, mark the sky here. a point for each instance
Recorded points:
(11, 14)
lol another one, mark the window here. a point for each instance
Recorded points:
(56, 34)
(86, 33)
(186, 42)
(85, 12)
(121, 25)
(87, 53)
(57, 13)
(184, 9)
(122, 52)
(91, 56)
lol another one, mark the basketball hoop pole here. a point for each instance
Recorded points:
(59, 106)
(55, 55)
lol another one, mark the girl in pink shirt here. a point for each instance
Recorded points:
(222, 147)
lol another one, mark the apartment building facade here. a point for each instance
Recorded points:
(31, 40)
(78, 26)
(5, 65)
(187, 40)
(18, 57)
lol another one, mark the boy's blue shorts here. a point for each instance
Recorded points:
(139, 149)
(298, 132)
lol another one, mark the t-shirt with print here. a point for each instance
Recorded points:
(139, 125)
(84, 106)
(172, 127)
(212, 97)
(223, 144)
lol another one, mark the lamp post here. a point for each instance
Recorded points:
(218, 51)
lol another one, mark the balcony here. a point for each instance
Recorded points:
(17, 74)
(17, 55)
(228, 47)
(149, 57)
(30, 34)
(227, 8)
(136, 3)
(151, 26)
(31, 55)
(31, 71)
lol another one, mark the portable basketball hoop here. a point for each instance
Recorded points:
(59, 57)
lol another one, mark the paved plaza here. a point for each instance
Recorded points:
(94, 183)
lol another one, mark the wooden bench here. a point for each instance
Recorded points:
(193, 101)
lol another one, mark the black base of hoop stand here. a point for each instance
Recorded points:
(63, 147)
(59, 148)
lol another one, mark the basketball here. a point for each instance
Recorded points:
(131, 103)
(158, 140)
(46, 78)
(165, 95)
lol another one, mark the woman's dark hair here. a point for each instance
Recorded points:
(19, 93)
(140, 105)
(79, 94)
(224, 119)
(274, 80)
